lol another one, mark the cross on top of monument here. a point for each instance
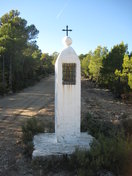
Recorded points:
(67, 30)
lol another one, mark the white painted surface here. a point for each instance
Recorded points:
(46, 145)
(67, 41)
(67, 97)
(67, 136)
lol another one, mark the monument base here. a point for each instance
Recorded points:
(46, 144)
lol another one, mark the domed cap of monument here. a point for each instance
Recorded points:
(67, 41)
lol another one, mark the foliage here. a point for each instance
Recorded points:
(113, 61)
(130, 80)
(111, 69)
(29, 129)
(82, 56)
(85, 64)
(95, 127)
(47, 65)
(123, 76)
(126, 73)
(54, 56)
(111, 149)
(127, 126)
(92, 63)
(109, 129)
(96, 62)
(20, 57)
(32, 127)
(3, 90)
(110, 154)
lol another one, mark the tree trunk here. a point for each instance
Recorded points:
(3, 71)
(10, 75)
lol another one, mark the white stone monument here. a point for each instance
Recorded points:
(67, 136)
(67, 94)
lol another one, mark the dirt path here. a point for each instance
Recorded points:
(39, 101)
(15, 109)
(102, 104)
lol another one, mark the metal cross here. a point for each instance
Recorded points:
(66, 30)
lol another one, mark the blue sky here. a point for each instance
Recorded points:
(94, 22)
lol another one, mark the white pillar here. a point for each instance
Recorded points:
(67, 94)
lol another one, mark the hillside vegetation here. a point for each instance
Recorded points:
(21, 61)
(110, 69)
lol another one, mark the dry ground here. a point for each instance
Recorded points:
(39, 101)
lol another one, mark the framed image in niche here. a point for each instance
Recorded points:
(68, 73)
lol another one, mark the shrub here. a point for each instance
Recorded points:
(111, 149)
(3, 89)
(127, 126)
(110, 154)
(85, 122)
(29, 129)
(96, 127)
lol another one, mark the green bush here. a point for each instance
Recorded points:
(3, 89)
(110, 154)
(111, 149)
(127, 126)
(85, 122)
(29, 129)
(95, 127)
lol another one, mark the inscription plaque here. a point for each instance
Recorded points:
(68, 73)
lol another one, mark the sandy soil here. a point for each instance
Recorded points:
(39, 101)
